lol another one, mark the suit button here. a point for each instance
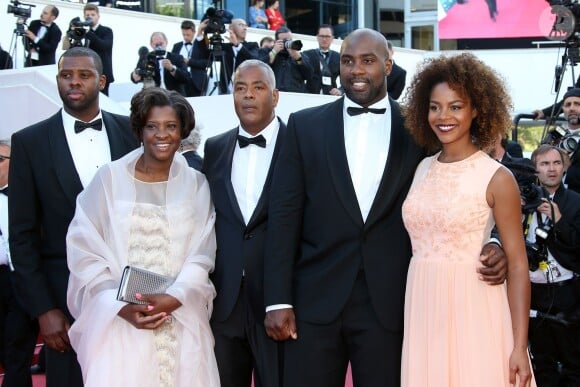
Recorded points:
(248, 236)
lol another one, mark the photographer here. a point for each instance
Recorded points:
(552, 231)
(100, 39)
(561, 136)
(163, 69)
(42, 38)
(292, 70)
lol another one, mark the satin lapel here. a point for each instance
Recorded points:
(226, 176)
(262, 205)
(64, 165)
(337, 162)
(388, 188)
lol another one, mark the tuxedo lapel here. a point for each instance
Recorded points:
(394, 167)
(225, 166)
(117, 144)
(66, 172)
(262, 205)
(338, 163)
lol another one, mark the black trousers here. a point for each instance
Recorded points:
(242, 347)
(555, 347)
(18, 334)
(320, 355)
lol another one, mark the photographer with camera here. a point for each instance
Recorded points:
(292, 70)
(195, 54)
(568, 137)
(161, 68)
(42, 38)
(552, 232)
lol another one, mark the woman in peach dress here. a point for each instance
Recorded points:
(459, 331)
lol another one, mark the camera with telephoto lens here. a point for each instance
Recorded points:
(78, 30)
(290, 44)
(148, 63)
(563, 139)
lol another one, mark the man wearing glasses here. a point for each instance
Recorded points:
(325, 63)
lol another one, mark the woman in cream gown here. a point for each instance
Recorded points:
(150, 210)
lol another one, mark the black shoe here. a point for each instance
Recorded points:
(36, 369)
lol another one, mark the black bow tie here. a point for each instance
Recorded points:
(4, 191)
(355, 111)
(245, 141)
(80, 126)
(188, 44)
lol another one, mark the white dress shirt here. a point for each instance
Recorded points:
(89, 149)
(367, 137)
(4, 250)
(250, 167)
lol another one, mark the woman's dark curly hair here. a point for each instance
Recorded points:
(143, 101)
(469, 77)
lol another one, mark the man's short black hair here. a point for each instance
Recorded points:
(281, 30)
(187, 25)
(75, 52)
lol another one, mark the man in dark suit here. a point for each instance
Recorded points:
(100, 39)
(396, 78)
(238, 165)
(5, 60)
(325, 63)
(51, 162)
(42, 38)
(170, 69)
(337, 251)
(235, 52)
(195, 55)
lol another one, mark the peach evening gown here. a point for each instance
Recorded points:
(458, 329)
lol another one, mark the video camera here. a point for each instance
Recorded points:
(78, 30)
(148, 63)
(218, 18)
(567, 19)
(23, 12)
(563, 139)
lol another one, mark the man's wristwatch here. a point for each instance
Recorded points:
(299, 60)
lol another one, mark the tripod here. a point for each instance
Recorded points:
(216, 55)
(13, 48)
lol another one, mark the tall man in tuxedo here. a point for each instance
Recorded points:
(325, 63)
(170, 70)
(238, 165)
(51, 162)
(337, 252)
(195, 55)
(100, 39)
(43, 37)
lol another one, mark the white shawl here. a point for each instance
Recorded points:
(110, 350)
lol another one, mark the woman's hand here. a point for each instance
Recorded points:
(520, 365)
(159, 303)
(141, 316)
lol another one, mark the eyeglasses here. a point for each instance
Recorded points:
(2, 158)
(324, 36)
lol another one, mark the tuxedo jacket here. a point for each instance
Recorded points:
(101, 42)
(249, 50)
(240, 247)
(5, 60)
(564, 241)
(46, 46)
(332, 69)
(197, 65)
(175, 82)
(396, 81)
(317, 239)
(44, 185)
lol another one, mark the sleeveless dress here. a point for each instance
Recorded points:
(458, 329)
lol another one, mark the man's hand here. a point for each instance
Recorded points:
(233, 38)
(335, 91)
(294, 54)
(538, 114)
(54, 327)
(494, 263)
(167, 65)
(202, 26)
(281, 324)
(30, 35)
(546, 209)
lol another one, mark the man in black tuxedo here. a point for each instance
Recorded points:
(42, 38)
(170, 69)
(238, 165)
(195, 55)
(235, 52)
(100, 39)
(337, 252)
(325, 63)
(396, 78)
(5, 60)
(50, 164)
